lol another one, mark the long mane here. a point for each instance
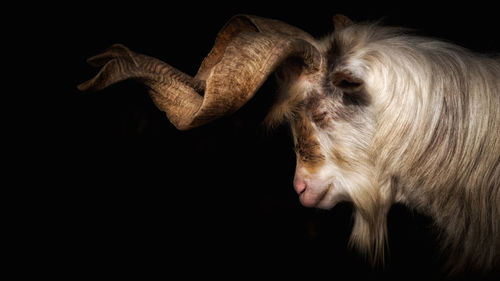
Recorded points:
(436, 144)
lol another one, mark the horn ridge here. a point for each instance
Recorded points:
(246, 51)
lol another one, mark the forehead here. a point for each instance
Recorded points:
(309, 96)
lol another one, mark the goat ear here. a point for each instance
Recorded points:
(346, 81)
(340, 22)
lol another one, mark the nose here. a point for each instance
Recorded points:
(299, 184)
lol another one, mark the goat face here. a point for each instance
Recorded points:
(329, 116)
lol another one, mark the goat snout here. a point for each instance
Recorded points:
(299, 184)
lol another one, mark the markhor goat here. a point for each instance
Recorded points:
(378, 117)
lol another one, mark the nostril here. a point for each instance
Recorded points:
(300, 186)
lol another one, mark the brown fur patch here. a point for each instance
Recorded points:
(307, 146)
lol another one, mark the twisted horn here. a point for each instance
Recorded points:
(246, 51)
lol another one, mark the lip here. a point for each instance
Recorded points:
(308, 200)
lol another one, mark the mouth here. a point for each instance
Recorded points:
(310, 199)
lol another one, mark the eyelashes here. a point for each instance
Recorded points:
(319, 117)
(322, 119)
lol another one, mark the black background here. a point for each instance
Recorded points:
(127, 194)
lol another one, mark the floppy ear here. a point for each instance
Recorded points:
(340, 22)
(346, 80)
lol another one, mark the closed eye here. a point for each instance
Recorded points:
(316, 118)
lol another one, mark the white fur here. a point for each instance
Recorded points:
(429, 137)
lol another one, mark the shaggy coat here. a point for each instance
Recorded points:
(397, 118)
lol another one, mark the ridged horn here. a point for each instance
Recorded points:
(246, 51)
